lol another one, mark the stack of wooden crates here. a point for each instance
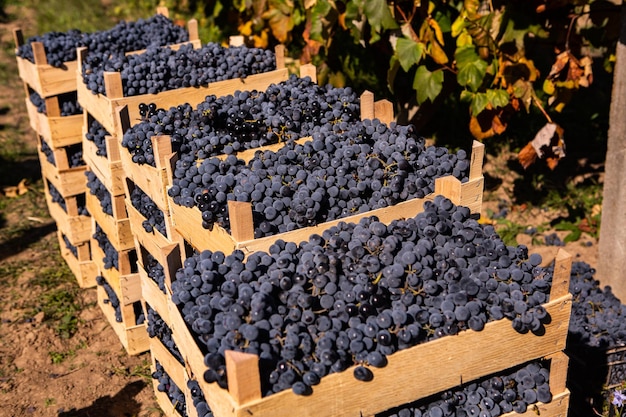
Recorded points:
(456, 359)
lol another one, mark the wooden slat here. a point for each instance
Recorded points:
(383, 111)
(242, 227)
(562, 274)
(244, 381)
(367, 105)
(103, 108)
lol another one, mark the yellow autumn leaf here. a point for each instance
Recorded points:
(464, 39)
(245, 29)
(436, 29)
(532, 70)
(261, 41)
(548, 87)
(437, 53)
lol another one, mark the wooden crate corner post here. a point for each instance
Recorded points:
(244, 379)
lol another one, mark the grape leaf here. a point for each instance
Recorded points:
(318, 14)
(427, 84)
(479, 102)
(472, 68)
(378, 15)
(409, 52)
(497, 98)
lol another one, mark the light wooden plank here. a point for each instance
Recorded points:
(244, 381)
(308, 70)
(39, 53)
(241, 224)
(367, 105)
(562, 274)
(383, 111)
(113, 85)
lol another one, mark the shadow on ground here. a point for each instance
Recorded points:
(122, 404)
(26, 238)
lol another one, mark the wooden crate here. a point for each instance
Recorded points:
(559, 406)
(75, 226)
(154, 180)
(116, 226)
(466, 356)
(69, 181)
(108, 168)
(60, 155)
(58, 131)
(125, 280)
(188, 221)
(45, 79)
(159, 354)
(133, 337)
(49, 81)
(155, 242)
(104, 108)
(81, 264)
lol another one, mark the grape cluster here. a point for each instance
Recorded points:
(155, 271)
(156, 327)
(491, 397)
(97, 188)
(161, 68)
(72, 248)
(154, 217)
(356, 294)
(48, 152)
(75, 155)
(68, 103)
(111, 255)
(597, 318)
(343, 170)
(60, 47)
(243, 120)
(56, 197)
(97, 134)
(199, 401)
(166, 385)
(553, 239)
(112, 299)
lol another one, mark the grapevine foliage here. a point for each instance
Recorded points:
(478, 50)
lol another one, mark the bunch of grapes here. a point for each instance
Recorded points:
(356, 294)
(167, 385)
(243, 120)
(97, 188)
(60, 47)
(156, 327)
(161, 68)
(341, 171)
(491, 397)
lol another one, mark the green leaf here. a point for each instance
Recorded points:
(394, 66)
(379, 15)
(472, 68)
(498, 98)
(479, 102)
(427, 84)
(467, 96)
(409, 52)
(355, 20)
(318, 14)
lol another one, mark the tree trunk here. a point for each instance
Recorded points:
(612, 246)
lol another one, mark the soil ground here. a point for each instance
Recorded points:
(90, 374)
